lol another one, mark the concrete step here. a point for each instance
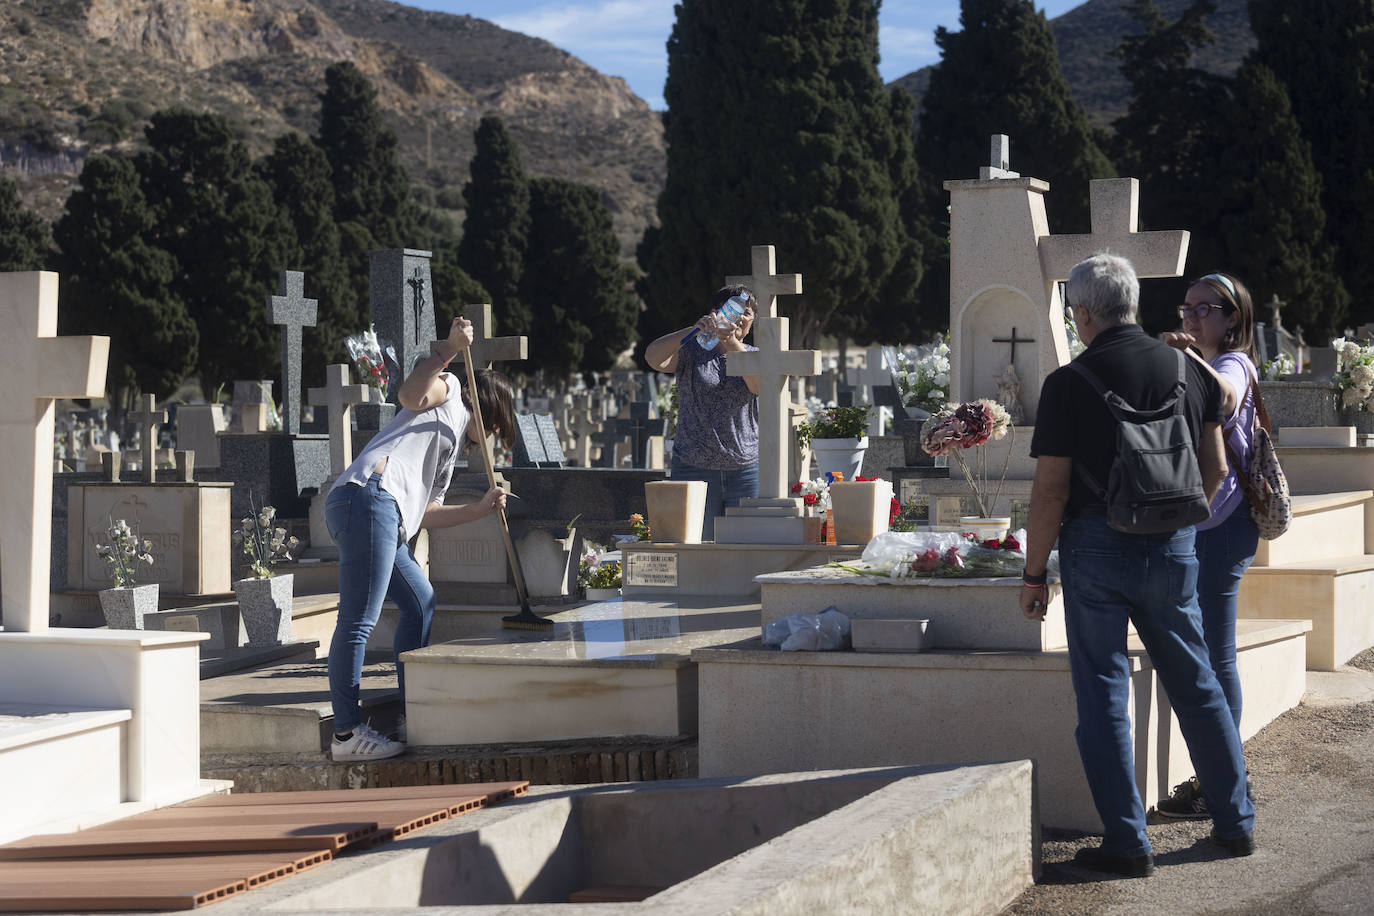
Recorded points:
(1336, 594)
(284, 707)
(763, 711)
(1324, 525)
(1317, 469)
(58, 761)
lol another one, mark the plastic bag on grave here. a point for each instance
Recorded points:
(827, 631)
(890, 548)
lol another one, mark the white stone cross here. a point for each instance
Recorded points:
(292, 310)
(38, 368)
(773, 363)
(873, 373)
(148, 420)
(1115, 205)
(999, 159)
(338, 397)
(485, 348)
(764, 283)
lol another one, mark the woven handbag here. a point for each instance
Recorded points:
(1266, 489)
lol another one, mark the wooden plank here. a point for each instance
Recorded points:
(492, 791)
(144, 883)
(115, 840)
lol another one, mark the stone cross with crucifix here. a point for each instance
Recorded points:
(1005, 269)
(38, 368)
(338, 397)
(148, 420)
(402, 300)
(292, 310)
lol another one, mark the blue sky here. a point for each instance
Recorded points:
(626, 37)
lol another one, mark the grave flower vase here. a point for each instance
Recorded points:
(994, 527)
(677, 509)
(1362, 420)
(126, 607)
(845, 456)
(265, 607)
(860, 509)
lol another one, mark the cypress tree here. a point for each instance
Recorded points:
(23, 234)
(1000, 75)
(780, 131)
(496, 228)
(578, 290)
(1269, 224)
(118, 284)
(217, 218)
(371, 187)
(1323, 52)
(299, 175)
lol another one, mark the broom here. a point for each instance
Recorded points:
(526, 619)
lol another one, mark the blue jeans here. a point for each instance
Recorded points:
(723, 488)
(1224, 553)
(1152, 580)
(374, 564)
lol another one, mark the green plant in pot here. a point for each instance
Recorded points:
(126, 604)
(265, 598)
(837, 437)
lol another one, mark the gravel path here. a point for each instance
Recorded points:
(1313, 774)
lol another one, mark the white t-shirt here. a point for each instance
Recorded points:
(421, 449)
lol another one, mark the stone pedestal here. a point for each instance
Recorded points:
(676, 510)
(187, 523)
(861, 509)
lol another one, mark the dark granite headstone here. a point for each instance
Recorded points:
(293, 311)
(529, 446)
(277, 470)
(548, 434)
(402, 308)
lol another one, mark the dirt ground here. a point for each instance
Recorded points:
(1313, 775)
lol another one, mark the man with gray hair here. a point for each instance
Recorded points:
(1110, 576)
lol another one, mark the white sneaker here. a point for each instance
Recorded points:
(364, 744)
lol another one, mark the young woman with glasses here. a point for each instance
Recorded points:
(1219, 331)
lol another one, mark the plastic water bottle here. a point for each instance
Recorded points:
(725, 317)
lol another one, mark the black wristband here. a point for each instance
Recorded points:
(1035, 580)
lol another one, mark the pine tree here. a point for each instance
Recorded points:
(578, 290)
(454, 288)
(781, 132)
(118, 284)
(496, 228)
(23, 234)
(1269, 224)
(1323, 52)
(216, 217)
(1000, 75)
(299, 175)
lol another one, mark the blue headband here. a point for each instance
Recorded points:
(1226, 283)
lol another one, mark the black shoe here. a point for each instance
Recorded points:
(1130, 866)
(1242, 845)
(1186, 803)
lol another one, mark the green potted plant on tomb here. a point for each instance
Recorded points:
(264, 598)
(597, 577)
(126, 604)
(838, 438)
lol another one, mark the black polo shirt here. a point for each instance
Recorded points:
(1073, 422)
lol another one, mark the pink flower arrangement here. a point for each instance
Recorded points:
(958, 427)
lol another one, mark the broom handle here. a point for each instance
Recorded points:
(521, 593)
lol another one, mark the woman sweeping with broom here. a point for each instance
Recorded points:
(389, 492)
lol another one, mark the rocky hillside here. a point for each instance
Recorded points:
(1087, 34)
(81, 76)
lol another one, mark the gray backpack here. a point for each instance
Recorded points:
(1155, 484)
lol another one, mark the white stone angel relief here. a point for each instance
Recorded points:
(1009, 394)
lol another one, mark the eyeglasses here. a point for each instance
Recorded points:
(1199, 311)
